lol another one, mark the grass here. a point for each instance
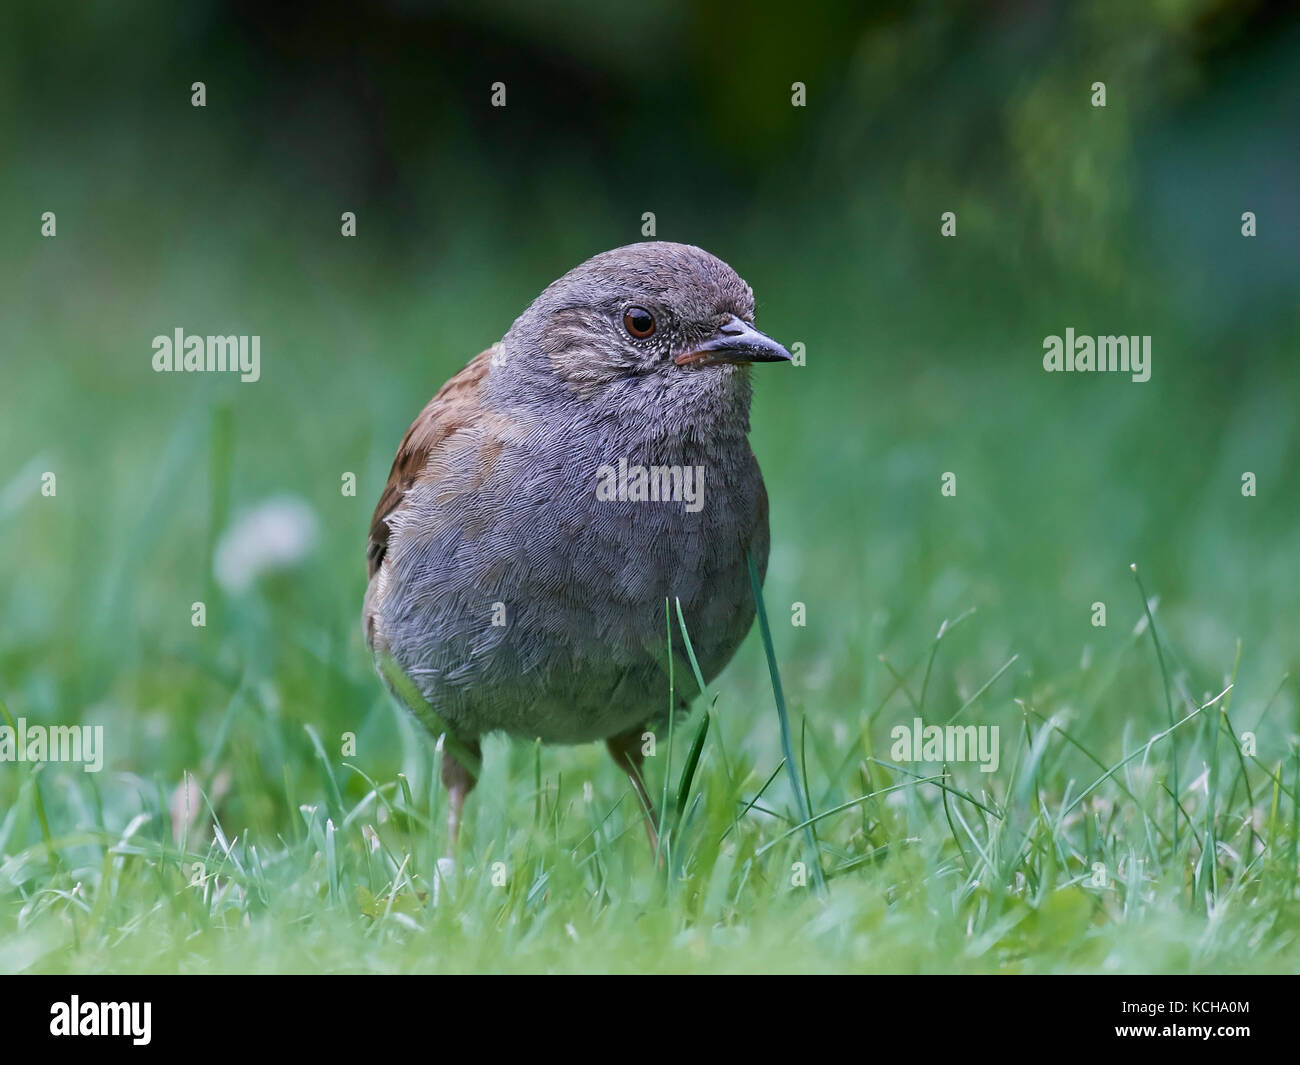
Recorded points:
(1069, 859)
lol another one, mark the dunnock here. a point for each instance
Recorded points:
(554, 493)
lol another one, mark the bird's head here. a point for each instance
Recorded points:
(655, 317)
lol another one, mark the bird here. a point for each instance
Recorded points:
(554, 497)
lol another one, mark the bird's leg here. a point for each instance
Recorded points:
(459, 782)
(625, 748)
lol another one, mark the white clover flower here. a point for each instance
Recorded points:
(274, 535)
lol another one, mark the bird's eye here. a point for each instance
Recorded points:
(639, 322)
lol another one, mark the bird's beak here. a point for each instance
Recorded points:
(736, 342)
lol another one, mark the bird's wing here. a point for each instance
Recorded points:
(454, 409)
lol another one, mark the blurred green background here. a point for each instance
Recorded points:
(924, 353)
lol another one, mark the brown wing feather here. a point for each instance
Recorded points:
(454, 408)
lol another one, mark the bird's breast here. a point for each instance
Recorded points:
(543, 582)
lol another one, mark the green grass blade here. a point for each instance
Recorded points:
(787, 744)
(688, 770)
